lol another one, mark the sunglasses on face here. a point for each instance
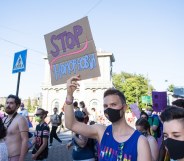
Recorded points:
(38, 114)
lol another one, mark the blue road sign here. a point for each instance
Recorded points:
(19, 63)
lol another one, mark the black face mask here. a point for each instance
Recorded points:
(112, 115)
(175, 148)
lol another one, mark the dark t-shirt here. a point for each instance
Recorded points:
(61, 114)
(86, 152)
(42, 131)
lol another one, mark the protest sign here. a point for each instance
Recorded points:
(135, 109)
(146, 99)
(71, 51)
(159, 101)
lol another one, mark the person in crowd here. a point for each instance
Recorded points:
(23, 111)
(118, 141)
(3, 147)
(178, 103)
(2, 113)
(55, 121)
(173, 129)
(83, 147)
(85, 111)
(75, 106)
(93, 115)
(154, 122)
(41, 136)
(62, 120)
(17, 130)
(144, 115)
(143, 126)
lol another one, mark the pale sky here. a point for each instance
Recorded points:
(146, 37)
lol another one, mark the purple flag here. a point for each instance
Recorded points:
(159, 101)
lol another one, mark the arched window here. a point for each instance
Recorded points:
(94, 103)
(55, 103)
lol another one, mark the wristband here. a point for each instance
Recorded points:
(69, 102)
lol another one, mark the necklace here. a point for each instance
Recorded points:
(10, 121)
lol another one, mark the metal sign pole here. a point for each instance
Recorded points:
(18, 82)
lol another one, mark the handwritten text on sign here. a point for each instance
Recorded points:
(71, 50)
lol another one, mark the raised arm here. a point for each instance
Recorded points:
(92, 131)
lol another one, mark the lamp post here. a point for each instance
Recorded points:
(166, 89)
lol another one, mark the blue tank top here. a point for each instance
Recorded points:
(111, 150)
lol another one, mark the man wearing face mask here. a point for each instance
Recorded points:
(17, 130)
(173, 128)
(118, 141)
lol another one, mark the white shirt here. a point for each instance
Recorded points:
(3, 151)
(24, 113)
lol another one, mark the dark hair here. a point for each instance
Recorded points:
(113, 91)
(144, 113)
(82, 104)
(92, 122)
(172, 113)
(17, 99)
(75, 104)
(44, 112)
(144, 123)
(79, 115)
(179, 103)
(93, 109)
(2, 129)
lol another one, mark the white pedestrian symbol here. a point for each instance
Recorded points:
(19, 64)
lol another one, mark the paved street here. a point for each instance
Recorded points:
(58, 152)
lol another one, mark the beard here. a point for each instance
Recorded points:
(9, 111)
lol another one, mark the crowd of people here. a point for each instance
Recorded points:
(119, 141)
(156, 137)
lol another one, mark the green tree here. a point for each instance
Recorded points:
(29, 107)
(134, 86)
(171, 88)
(35, 105)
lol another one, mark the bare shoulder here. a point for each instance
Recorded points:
(22, 123)
(142, 140)
(101, 129)
(151, 139)
(21, 119)
(144, 152)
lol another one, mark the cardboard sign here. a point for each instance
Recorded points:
(71, 51)
(135, 109)
(159, 101)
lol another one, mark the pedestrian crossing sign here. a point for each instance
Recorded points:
(19, 63)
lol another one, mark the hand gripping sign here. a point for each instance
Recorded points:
(71, 50)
